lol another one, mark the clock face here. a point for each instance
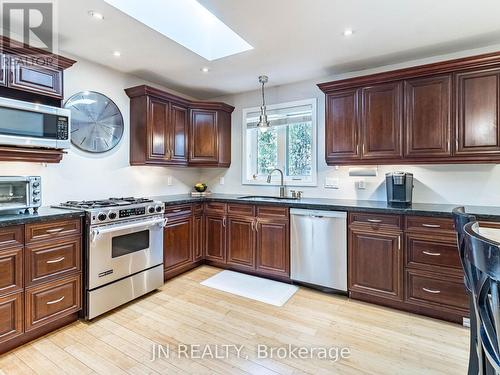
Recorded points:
(96, 122)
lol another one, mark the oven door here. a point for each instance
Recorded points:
(120, 250)
(14, 193)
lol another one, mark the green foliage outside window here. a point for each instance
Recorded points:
(267, 150)
(299, 149)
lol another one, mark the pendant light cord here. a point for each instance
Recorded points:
(263, 100)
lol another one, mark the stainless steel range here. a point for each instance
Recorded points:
(124, 251)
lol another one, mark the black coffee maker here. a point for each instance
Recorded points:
(399, 186)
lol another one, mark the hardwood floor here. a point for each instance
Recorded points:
(381, 340)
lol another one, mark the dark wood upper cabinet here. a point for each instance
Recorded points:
(169, 130)
(445, 112)
(3, 70)
(36, 78)
(179, 134)
(342, 132)
(477, 100)
(382, 121)
(428, 116)
(203, 137)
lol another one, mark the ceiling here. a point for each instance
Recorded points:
(293, 40)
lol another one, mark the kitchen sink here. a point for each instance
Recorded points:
(265, 197)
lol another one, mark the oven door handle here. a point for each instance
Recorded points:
(96, 232)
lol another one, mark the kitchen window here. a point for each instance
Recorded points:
(288, 144)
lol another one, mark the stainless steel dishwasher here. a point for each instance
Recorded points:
(319, 248)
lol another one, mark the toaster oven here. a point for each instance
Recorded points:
(20, 193)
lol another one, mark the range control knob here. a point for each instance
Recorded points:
(112, 215)
(101, 216)
(151, 209)
(159, 208)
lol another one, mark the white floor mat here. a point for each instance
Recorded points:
(257, 288)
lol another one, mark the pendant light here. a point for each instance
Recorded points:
(263, 123)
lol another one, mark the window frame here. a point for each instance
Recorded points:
(275, 180)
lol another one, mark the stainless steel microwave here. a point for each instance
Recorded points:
(20, 193)
(34, 125)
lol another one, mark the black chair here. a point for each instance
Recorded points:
(460, 217)
(482, 257)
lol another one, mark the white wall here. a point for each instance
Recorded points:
(82, 175)
(466, 184)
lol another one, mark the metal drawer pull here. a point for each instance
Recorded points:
(55, 260)
(432, 254)
(431, 291)
(55, 301)
(55, 230)
(374, 220)
(431, 225)
(177, 210)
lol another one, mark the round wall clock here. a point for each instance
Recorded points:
(96, 122)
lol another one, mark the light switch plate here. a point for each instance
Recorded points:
(332, 183)
(169, 180)
(221, 181)
(361, 184)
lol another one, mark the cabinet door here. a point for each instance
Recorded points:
(477, 105)
(3, 70)
(241, 241)
(427, 116)
(215, 238)
(273, 247)
(203, 148)
(178, 134)
(375, 264)
(11, 270)
(11, 316)
(342, 126)
(177, 245)
(198, 239)
(158, 136)
(35, 78)
(381, 121)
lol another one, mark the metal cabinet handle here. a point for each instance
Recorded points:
(177, 210)
(431, 254)
(253, 226)
(55, 230)
(55, 260)
(399, 242)
(224, 222)
(257, 225)
(374, 220)
(55, 301)
(431, 225)
(431, 291)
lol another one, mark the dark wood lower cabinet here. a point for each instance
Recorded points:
(421, 274)
(11, 316)
(241, 242)
(215, 238)
(198, 237)
(177, 246)
(375, 263)
(273, 247)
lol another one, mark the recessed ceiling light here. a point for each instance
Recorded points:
(184, 22)
(205, 69)
(96, 15)
(348, 32)
(117, 54)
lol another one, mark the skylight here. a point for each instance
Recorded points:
(188, 23)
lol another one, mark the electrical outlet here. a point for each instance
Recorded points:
(332, 183)
(361, 184)
(169, 180)
(221, 181)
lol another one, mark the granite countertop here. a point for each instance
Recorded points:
(44, 214)
(424, 209)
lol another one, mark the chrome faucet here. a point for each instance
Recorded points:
(282, 185)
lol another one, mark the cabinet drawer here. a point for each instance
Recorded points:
(272, 212)
(174, 211)
(436, 289)
(48, 261)
(424, 250)
(11, 236)
(240, 209)
(49, 302)
(11, 316)
(215, 207)
(52, 230)
(430, 224)
(11, 270)
(376, 221)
